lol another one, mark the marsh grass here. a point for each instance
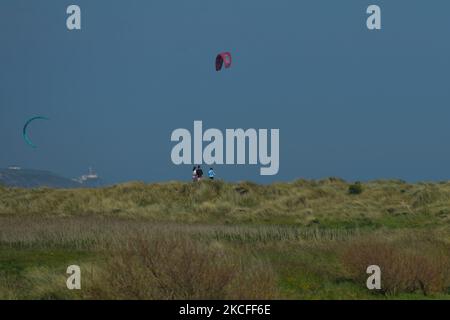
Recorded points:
(300, 240)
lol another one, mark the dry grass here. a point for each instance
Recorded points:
(92, 233)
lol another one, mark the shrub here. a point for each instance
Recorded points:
(402, 270)
(180, 268)
(355, 188)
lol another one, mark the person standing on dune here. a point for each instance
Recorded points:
(211, 174)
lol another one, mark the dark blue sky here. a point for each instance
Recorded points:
(348, 102)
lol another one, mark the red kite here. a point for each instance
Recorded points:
(223, 58)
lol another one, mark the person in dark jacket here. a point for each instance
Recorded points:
(199, 172)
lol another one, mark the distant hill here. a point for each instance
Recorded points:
(25, 178)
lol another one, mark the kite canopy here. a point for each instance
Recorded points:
(222, 59)
(25, 128)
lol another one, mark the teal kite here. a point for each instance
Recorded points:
(25, 127)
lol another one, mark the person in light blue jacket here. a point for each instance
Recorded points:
(211, 174)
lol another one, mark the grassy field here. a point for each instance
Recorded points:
(215, 240)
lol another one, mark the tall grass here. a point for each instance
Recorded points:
(80, 233)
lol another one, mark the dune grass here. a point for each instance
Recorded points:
(300, 240)
(324, 203)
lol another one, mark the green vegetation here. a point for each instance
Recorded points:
(300, 240)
